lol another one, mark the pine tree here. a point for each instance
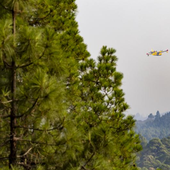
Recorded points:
(58, 110)
(39, 53)
(107, 135)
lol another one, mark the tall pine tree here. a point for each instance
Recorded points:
(37, 60)
(58, 110)
(107, 135)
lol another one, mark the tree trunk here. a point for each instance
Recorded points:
(13, 149)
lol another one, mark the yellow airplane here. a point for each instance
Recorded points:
(156, 53)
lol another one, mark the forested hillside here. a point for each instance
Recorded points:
(155, 154)
(59, 109)
(155, 126)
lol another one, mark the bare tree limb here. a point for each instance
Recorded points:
(6, 101)
(83, 166)
(25, 153)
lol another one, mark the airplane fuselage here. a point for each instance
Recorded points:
(156, 53)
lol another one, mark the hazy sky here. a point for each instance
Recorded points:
(133, 28)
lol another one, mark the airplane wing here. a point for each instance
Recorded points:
(163, 51)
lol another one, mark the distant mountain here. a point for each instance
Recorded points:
(155, 126)
(139, 117)
(155, 154)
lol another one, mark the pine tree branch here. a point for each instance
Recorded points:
(24, 65)
(41, 130)
(40, 143)
(36, 21)
(30, 109)
(4, 158)
(6, 101)
(25, 153)
(28, 64)
(26, 166)
(83, 166)
(6, 64)
(6, 143)
(5, 116)
(5, 7)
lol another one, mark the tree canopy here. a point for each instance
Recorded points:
(156, 127)
(58, 108)
(156, 154)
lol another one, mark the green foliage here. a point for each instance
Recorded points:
(36, 63)
(108, 136)
(156, 154)
(154, 127)
(59, 109)
(143, 141)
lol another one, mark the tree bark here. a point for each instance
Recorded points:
(13, 149)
